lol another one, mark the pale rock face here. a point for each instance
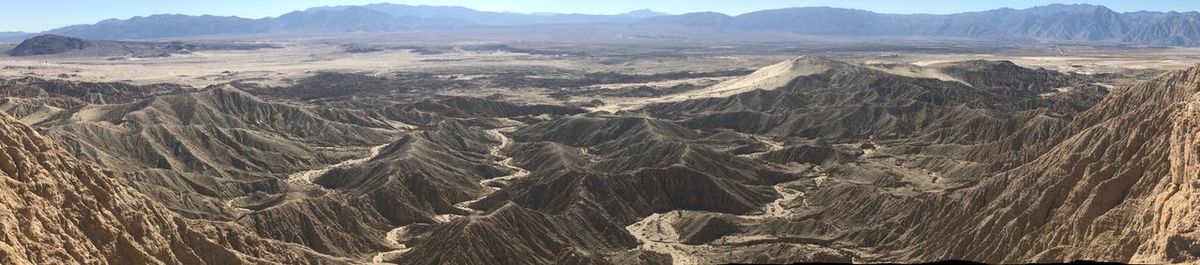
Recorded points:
(59, 210)
(1175, 207)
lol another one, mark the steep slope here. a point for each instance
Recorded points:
(59, 210)
(1171, 29)
(1121, 164)
(592, 176)
(1109, 182)
(1173, 233)
(809, 160)
(1053, 191)
(196, 151)
(930, 176)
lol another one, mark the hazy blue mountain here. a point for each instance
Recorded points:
(1064, 23)
(162, 26)
(500, 18)
(48, 44)
(14, 36)
(352, 19)
(1084, 23)
(698, 19)
(344, 20)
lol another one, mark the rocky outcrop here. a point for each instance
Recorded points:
(1119, 162)
(48, 44)
(211, 146)
(60, 210)
(1174, 237)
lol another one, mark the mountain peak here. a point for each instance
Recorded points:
(644, 13)
(1073, 8)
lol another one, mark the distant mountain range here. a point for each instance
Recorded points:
(1061, 23)
(353, 19)
(340, 19)
(496, 18)
(47, 44)
(13, 36)
(1076, 23)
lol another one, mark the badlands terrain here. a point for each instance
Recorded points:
(423, 148)
(304, 152)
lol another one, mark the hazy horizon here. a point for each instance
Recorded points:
(45, 15)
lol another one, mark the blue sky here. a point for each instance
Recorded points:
(39, 15)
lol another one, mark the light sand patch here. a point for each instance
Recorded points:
(914, 71)
(307, 177)
(657, 233)
(766, 78)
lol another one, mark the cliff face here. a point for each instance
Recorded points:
(1119, 185)
(1112, 178)
(67, 211)
(1092, 195)
(59, 210)
(1176, 201)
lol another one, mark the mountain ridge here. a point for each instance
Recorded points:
(1076, 23)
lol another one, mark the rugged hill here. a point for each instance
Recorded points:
(1117, 163)
(50, 44)
(346, 20)
(1051, 184)
(197, 150)
(1071, 23)
(1052, 23)
(60, 210)
(808, 160)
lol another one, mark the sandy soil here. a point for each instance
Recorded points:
(657, 234)
(506, 161)
(299, 60)
(306, 177)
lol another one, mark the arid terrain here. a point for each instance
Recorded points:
(415, 149)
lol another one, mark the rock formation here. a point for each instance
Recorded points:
(809, 160)
(61, 210)
(48, 44)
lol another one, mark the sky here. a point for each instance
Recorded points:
(40, 15)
